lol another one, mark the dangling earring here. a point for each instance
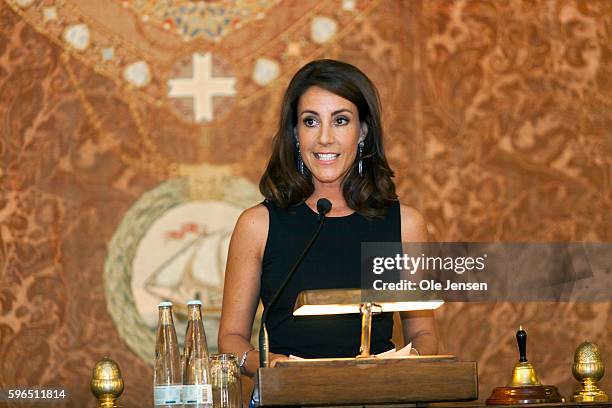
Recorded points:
(300, 162)
(360, 160)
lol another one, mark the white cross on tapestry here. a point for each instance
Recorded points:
(202, 86)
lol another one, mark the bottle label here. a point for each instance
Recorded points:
(197, 394)
(167, 394)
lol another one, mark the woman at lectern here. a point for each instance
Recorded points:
(329, 144)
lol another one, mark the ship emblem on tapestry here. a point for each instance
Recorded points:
(172, 245)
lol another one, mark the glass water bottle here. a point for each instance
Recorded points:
(167, 381)
(197, 390)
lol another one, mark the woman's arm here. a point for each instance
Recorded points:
(242, 284)
(418, 327)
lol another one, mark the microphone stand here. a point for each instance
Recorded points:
(263, 333)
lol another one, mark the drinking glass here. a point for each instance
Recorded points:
(225, 379)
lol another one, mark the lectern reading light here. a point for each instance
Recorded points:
(344, 301)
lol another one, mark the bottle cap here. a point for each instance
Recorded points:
(194, 302)
(165, 304)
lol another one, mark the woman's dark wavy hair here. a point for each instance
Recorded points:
(282, 183)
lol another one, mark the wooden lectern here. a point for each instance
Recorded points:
(358, 381)
(365, 379)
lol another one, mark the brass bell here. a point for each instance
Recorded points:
(588, 368)
(523, 373)
(106, 383)
(524, 387)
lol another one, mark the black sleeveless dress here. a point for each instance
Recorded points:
(332, 263)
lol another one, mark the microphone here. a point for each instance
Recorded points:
(323, 207)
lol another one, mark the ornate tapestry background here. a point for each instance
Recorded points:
(497, 116)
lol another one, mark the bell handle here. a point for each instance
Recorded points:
(521, 339)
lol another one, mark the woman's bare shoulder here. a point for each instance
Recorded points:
(253, 220)
(414, 226)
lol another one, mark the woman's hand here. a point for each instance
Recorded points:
(275, 358)
(252, 362)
